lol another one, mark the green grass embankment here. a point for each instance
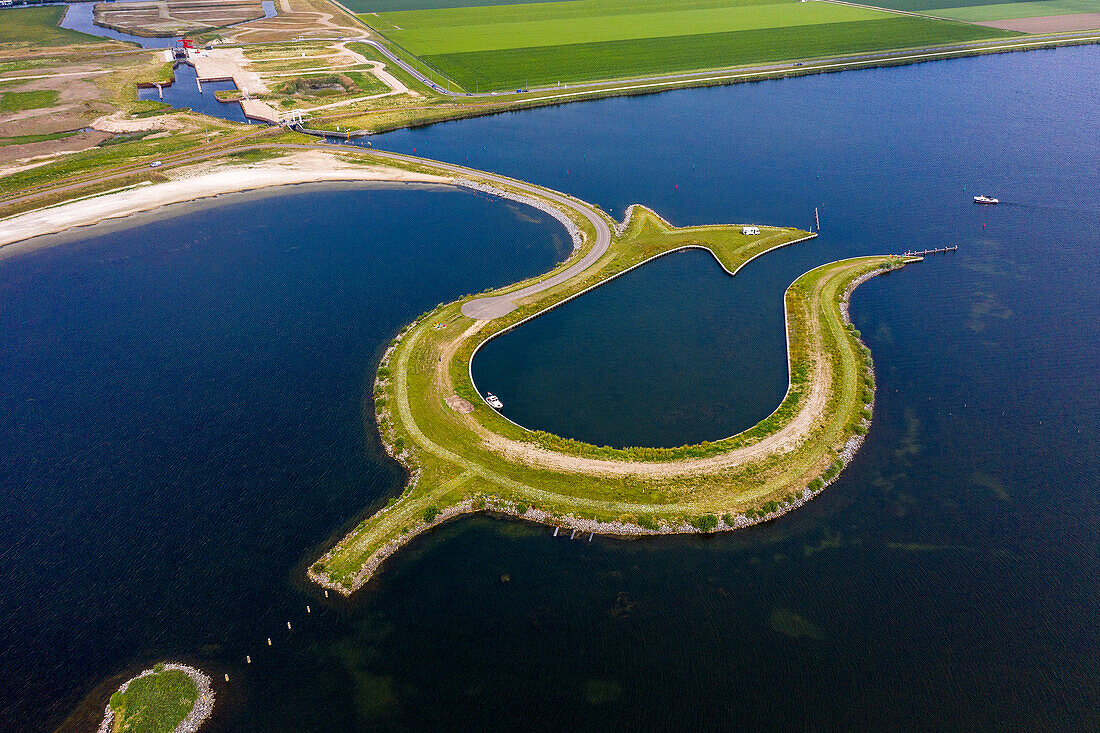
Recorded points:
(462, 463)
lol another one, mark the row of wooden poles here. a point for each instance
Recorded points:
(289, 627)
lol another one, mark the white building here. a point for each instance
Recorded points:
(750, 231)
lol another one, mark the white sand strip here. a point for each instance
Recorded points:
(202, 183)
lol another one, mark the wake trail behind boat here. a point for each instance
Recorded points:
(1047, 207)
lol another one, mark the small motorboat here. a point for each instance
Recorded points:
(983, 199)
(494, 401)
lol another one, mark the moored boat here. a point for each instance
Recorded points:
(493, 400)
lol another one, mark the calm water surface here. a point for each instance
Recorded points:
(598, 368)
(183, 409)
(182, 412)
(184, 92)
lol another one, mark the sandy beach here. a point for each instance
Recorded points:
(190, 184)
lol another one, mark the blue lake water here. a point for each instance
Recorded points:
(183, 410)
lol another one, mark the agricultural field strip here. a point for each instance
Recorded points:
(463, 38)
(518, 46)
(703, 77)
(475, 14)
(1013, 11)
(978, 12)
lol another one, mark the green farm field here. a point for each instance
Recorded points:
(39, 26)
(386, 6)
(497, 47)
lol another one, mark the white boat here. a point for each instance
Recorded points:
(494, 401)
(985, 200)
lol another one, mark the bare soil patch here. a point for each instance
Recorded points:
(459, 405)
(175, 18)
(1048, 23)
(46, 149)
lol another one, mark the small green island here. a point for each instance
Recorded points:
(168, 698)
(463, 456)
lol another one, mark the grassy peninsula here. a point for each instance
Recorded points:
(464, 457)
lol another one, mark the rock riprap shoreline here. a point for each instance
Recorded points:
(570, 226)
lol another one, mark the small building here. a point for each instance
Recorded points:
(750, 231)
